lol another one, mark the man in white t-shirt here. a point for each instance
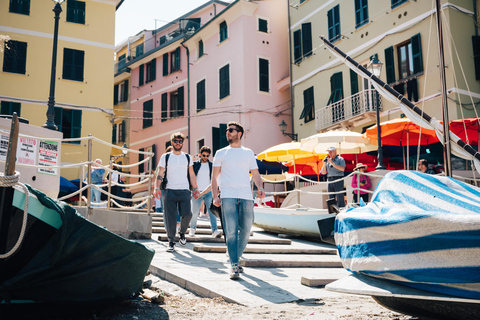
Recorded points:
(177, 195)
(203, 172)
(231, 168)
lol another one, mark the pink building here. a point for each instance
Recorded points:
(218, 63)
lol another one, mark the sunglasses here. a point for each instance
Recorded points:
(205, 155)
(231, 130)
(177, 141)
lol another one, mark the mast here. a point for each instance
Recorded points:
(446, 131)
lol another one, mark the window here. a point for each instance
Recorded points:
(139, 50)
(118, 132)
(201, 98)
(224, 81)
(164, 107)
(177, 103)
(165, 65)
(396, 3)
(307, 39)
(151, 70)
(122, 60)
(336, 86)
(9, 108)
(200, 48)
(263, 75)
(73, 63)
(141, 75)
(223, 31)
(15, 57)
(163, 39)
(361, 13)
(69, 122)
(20, 6)
(120, 92)
(262, 25)
(147, 114)
(302, 1)
(297, 46)
(409, 59)
(175, 60)
(308, 113)
(76, 11)
(353, 82)
(476, 55)
(333, 16)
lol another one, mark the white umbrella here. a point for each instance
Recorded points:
(345, 142)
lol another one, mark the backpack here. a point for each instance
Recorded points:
(163, 184)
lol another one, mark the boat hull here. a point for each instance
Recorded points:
(297, 222)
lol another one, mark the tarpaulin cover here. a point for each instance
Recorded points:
(82, 262)
(419, 230)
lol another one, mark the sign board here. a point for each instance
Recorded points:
(27, 151)
(48, 156)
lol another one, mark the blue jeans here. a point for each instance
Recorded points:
(96, 195)
(237, 223)
(196, 210)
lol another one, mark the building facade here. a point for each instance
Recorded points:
(84, 85)
(402, 35)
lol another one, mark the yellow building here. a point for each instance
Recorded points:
(84, 84)
(402, 35)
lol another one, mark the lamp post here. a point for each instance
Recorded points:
(50, 124)
(283, 127)
(123, 154)
(375, 67)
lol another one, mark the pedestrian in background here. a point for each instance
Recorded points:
(423, 167)
(361, 181)
(333, 167)
(97, 179)
(178, 167)
(232, 166)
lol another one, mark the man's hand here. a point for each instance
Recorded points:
(261, 193)
(158, 193)
(217, 202)
(196, 194)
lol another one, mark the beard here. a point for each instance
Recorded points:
(177, 149)
(233, 139)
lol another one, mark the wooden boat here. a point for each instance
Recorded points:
(52, 254)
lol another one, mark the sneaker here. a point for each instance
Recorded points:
(192, 232)
(240, 269)
(217, 234)
(171, 247)
(234, 272)
(182, 240)
(178, 228)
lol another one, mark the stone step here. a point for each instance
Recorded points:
(199, 225)
(268, 250)
(198, 232)
(221, 240)
(324, 277)
(292, 261)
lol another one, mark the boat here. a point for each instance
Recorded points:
(51, 254)
(415, 246)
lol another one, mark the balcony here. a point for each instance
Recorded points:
(344, 113)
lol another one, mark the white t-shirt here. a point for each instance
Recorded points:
(176, 170)
(235, 164)
(203, 176)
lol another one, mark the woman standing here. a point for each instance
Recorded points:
(362, 181)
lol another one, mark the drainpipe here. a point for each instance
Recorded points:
(290, 65)
(215, 9)
(475, 16)
(188, 96)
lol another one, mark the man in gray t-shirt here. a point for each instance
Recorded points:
(334, 166)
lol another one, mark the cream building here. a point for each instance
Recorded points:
(402, 34)
(84, 83)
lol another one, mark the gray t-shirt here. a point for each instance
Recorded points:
(332, 171)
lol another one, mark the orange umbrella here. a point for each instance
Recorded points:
(464, 128)
(309, 165)
(402, 132)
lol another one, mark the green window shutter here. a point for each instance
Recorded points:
(336, 86)
(115, 94)
(141, 75)
(165, 64)
(389, 65)
(124, 130)
(263, 75)
(307, 39)
(73, 64)
(308, 105)
(125, 91)
(147, 114)
(58, 118)
(297, 46)
(164, 107)
(223, 31)
(141, 156)
(153, 69)
(177, 58)
(333, 18)
(201, 95)
(215, 139)
(225, 81)
(417, 53)
(361, 13)
(262, 25)
(76, 125)
(353, 82)
(181, 104)
(223, 136)
(20, 6)
(9, 108)
(139, 50)
(15, 57)
(154, 157)
(76, 11)
(476, 55)
(200, 48)
(114, 134)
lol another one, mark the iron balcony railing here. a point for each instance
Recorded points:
(348, 108)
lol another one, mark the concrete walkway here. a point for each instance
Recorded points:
(274, 273)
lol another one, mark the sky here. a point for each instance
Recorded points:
(134, 16)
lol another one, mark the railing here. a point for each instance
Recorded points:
(348, 108)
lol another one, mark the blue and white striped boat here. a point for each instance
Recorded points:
(420, 230)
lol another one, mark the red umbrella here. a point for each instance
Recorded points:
(464, 128)
(402, 132)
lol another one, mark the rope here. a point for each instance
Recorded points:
(10, 181)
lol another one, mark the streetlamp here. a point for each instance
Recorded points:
(50, 124)
(283, 127)
(375, 67)
(123, 154)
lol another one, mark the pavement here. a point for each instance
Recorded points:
(277, 269)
